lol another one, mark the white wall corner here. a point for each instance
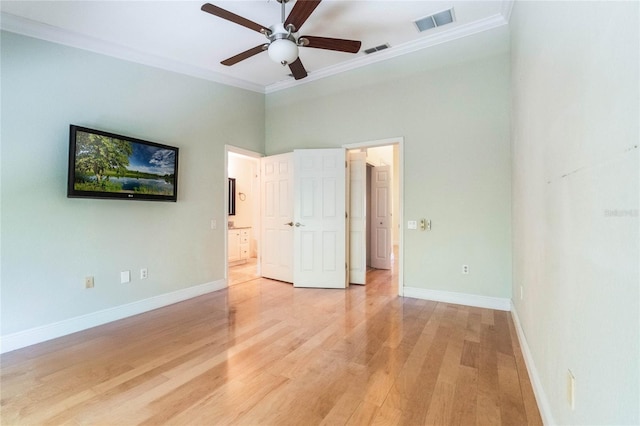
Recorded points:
(506, 8)
(498, 303)
(21, 339)
(541, 396)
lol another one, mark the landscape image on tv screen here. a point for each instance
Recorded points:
(112, 164)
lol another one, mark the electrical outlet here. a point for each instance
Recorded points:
(125, 277)
(465, 269)
(88, 282)
(412, 224)
(214, 224)
(571, 390)
(144, 274)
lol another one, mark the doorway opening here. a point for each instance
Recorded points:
(382, 188)
(243, 239)
(242, 200)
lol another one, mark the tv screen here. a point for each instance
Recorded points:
(106, 165)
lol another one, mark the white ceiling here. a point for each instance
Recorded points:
(178, 36)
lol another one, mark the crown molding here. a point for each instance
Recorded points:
(30, 28)
(455, 33)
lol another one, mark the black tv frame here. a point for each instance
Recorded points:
(136, 147)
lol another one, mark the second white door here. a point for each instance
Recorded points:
(381, 220)
(319, 236)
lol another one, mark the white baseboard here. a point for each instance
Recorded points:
(43, 333)
(498, 303)
(538, 391)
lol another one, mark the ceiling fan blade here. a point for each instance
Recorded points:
(236, 19)
(244, 55)
(297, 69)
(339, 44)
(300, 12)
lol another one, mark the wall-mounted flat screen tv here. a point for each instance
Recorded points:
(106, 165)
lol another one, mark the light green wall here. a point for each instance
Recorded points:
(49, 242)
(451, 105)
(575, 202)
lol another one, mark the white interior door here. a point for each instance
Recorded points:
(381, 220)
(320, 224)
(277, 217)
(357, 217)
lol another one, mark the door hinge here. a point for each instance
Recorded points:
(346, 215)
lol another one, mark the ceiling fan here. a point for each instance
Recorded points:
(283, 39)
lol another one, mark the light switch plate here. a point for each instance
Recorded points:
(125, 277)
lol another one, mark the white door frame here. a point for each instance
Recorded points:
(400, 142)
(228, 149)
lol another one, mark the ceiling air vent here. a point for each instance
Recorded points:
(377, 48)
(435, 20)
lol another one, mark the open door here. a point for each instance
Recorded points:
(277, 217)
(357, 217)
(319, 241)
(303, 218)
(381, 220)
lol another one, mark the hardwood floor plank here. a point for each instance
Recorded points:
(364, 414)
(470, 354)
(503, 337)
(488, 410)
(439, 412)
(511, 404)
(463, 411)
(387, 416)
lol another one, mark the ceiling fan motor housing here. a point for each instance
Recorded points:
(284, 46)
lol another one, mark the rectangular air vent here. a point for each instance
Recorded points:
(435, 20)
(376, 49)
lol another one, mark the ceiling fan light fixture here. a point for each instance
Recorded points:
(283, 51)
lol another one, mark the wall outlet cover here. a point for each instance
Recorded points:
(88, 282)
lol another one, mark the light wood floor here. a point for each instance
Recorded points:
(264, 353)
(243, 272)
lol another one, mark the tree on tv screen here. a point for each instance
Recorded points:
(96, 155)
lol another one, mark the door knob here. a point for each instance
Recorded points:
(289, 223)
(298, 224)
